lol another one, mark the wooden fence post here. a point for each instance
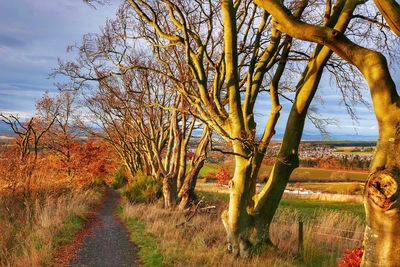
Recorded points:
(300, 245)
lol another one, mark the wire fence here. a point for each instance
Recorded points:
(307, 237)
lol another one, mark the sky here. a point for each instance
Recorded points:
(34, 34)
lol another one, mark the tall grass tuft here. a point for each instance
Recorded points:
(120, 179)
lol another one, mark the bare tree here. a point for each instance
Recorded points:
(28, 137)
(63, 134)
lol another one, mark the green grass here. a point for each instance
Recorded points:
(307, 208)
(148, 249)
(70, 228)
(209, 167)
(303, 174)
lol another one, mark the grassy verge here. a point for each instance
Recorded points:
(68, 230)
(328, 232)
(198, 242)
(330, 228)
(37, 225)
(309, 208)
(148, 249)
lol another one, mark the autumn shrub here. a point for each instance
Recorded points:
(92, 160)
(143, 189)
(222, 176)
(120, 179)
(352, 258)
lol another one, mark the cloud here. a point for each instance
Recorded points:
(18, 113)
(33, 34)
(10, 41)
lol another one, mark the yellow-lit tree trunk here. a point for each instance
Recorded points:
(186, 193)
(249, 215)
(172, 160)
(237, 220)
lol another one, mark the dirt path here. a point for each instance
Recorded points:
(108, 245)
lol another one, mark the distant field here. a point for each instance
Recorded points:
(354, 150)
(307, 208)
(363, 153)
(301, 174)
(321, 175)
(346, 188)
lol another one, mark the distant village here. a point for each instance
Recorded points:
(349, 156)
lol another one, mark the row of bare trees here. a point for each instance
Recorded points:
(161, 68)
(139, 112)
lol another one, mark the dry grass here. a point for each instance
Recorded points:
(201, 241)
(29, 224)
(326, 236)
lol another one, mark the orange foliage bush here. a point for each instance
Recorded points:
(90, 161)
(222, 177)
(352, 258)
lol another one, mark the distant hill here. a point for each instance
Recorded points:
(5, 129)
(333, 137)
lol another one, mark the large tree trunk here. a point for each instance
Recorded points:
(169, 190)
(186, 192)
(381, 197)
(267, 201)
(237, 221)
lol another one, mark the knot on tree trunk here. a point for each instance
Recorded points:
(383, 188)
